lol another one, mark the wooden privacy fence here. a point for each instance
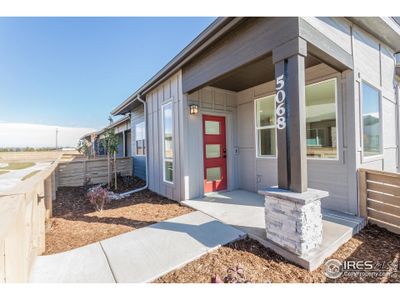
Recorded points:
(79, 172)
(380, 198)
(23, 212)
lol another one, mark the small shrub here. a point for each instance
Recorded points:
(98, 196)
(234, 275)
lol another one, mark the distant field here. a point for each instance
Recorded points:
(40, 156)
(18, 165)
(3, 172)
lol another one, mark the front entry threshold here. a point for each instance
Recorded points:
(245, 211)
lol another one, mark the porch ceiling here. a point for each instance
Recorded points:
(252, 74)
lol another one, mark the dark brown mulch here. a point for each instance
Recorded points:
(75, 222)
(128, 183)
(262, 265)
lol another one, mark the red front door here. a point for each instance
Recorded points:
(214, 149)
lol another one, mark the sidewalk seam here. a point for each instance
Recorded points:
(108, 262)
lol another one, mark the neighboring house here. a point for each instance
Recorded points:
(122, 129)
(210, 113)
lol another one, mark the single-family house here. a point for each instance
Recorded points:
(121, 127)
(293, 102)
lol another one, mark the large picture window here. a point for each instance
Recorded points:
(265, 126)
(140, 139)
(168, 149)
(321, 117)
(321, 122)
(371, 120)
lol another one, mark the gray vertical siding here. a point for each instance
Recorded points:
(139, 162)
(169, 91)
(128, 143)
(139, 167)
(120, 148)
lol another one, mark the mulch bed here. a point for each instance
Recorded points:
(261, 265)
(75, 222)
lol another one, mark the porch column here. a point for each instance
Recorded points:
(293, 217)
(123, 143)
(291, 114)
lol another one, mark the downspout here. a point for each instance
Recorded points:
(397, 78)
(398, 122)
(123, 195)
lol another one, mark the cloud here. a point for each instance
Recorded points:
(37, 135)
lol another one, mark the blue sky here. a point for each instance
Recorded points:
(74, 71)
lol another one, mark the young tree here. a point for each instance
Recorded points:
(110, 144)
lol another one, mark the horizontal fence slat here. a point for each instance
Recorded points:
(383, 188)
(387, 218)
(388, 199)
(390, 227)
(383, 207)
(383, 178)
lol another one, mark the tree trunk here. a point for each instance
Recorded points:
(115, 170)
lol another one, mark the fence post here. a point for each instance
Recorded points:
(84, 172)
(54, 185)
(362, 186)
(48, 195)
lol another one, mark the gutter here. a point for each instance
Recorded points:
(204, 39)
(123, 195)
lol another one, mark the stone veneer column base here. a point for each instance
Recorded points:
(294, 220)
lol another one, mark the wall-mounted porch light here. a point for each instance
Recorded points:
(194, 109)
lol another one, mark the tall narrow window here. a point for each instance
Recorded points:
(371, 116)
(321, 119)
(168, 149)
(140, 139)
(265, 126)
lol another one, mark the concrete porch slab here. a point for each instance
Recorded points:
(245, 211)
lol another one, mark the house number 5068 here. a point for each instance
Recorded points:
(280, 103)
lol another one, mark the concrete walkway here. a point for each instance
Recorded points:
(138, 256)
(13, 177)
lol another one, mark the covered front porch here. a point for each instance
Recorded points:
(246, 211)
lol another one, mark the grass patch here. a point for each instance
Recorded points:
(3, 172)
(30, 175)
(18, 165)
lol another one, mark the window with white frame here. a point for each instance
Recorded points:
(168, 149)
(371, 120)
(321, 122)
(321, 119)
(265, 126)
(140, 139)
